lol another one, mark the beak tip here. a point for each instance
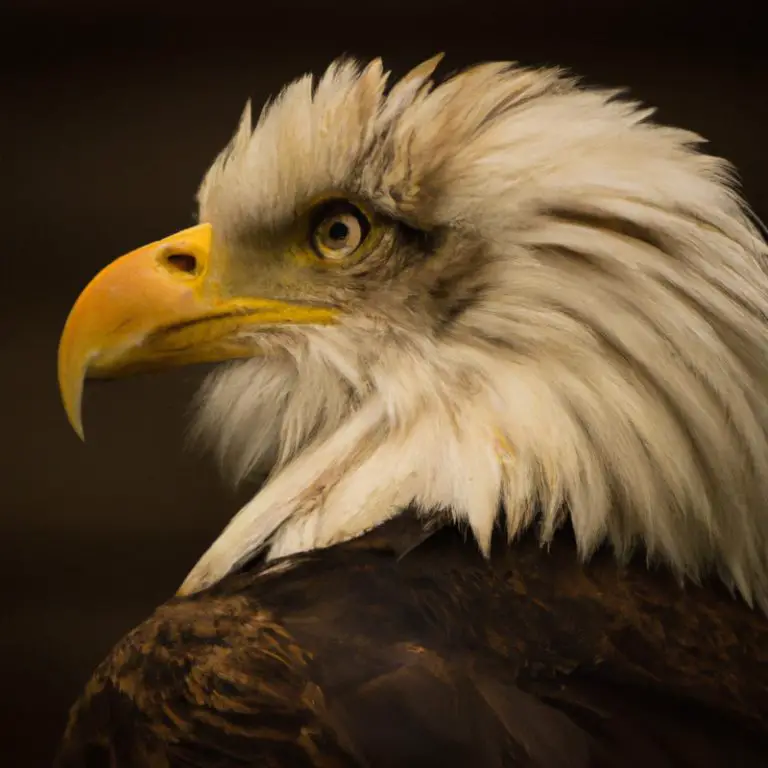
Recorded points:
(76, 422)
(71, 395)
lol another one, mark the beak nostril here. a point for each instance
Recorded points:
(183, 262)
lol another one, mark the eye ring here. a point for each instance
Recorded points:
(339, 229)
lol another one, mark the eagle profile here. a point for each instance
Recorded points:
(460, 321)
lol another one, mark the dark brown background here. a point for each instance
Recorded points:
(107, 120)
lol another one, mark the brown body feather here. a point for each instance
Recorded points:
(408, 648)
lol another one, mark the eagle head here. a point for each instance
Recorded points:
(506, 297)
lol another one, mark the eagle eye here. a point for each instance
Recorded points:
(339, 229)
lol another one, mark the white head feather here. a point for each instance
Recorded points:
(586, 337)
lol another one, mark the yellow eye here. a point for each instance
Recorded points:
(341, 230)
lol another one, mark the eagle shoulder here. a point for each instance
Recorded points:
(212, 681)
(387, 652)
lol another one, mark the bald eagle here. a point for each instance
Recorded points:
(501, 344)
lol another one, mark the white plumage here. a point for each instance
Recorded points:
(585, 335)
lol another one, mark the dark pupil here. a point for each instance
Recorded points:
(338, 231)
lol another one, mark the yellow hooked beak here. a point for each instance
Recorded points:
(162, 306)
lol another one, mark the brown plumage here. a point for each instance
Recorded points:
(401, 648)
